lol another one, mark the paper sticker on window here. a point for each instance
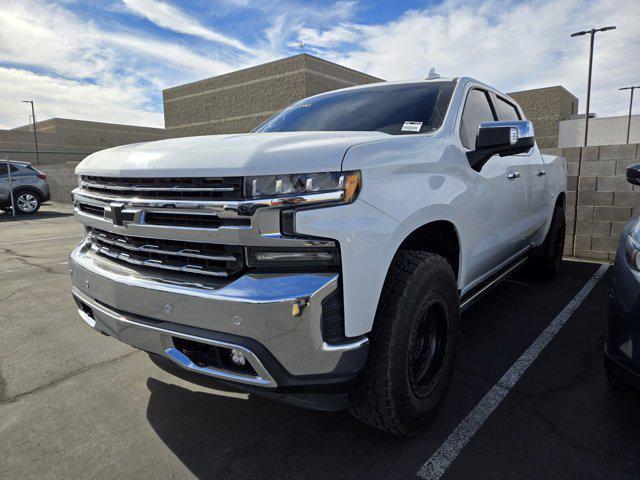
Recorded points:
(411, 126)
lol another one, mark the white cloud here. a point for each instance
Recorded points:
(57, 97)
(340, 34)
(290, 20)
(172, 18)
(512, 45)
(113, 76)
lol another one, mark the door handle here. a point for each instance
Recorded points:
(513, 175)
(541, 173)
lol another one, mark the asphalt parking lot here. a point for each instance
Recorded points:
(75, 404)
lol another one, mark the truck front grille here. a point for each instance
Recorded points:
(167, 219)
(91, 209)
(188, 257)
(193, 220)
(210, 188)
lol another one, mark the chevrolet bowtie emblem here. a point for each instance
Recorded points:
(116, 213)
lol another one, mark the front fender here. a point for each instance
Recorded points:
(368, 241)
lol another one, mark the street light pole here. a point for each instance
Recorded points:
(35, 135)
(592, 32)
(630, 107)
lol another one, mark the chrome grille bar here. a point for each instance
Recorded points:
(208, 188)
(128, 244)
(138, 188)
(155, 263)
(186, 257)
(221, 207)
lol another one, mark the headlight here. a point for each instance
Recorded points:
(303, 184)
(631, 251)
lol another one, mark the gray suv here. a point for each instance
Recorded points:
(30, 187)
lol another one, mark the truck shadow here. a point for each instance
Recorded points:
(217, 436)
(220, 437)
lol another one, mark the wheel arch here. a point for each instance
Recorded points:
(440, 237)
(27, 188)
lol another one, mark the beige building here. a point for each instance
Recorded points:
(242, 100)
(72, 140)
(546, 108)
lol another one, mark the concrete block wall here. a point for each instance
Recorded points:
(62, 179)
(606, 201)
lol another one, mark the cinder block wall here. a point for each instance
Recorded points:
(606, 201)
(61, 179)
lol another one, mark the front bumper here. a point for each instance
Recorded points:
(253, 314)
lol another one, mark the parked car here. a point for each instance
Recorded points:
(324, 258)
(30, 187)
(622, 346)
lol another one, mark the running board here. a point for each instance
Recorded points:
(471, 297)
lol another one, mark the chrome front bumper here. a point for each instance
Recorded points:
(148, 313)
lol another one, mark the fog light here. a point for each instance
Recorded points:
(292, 257)
(238, 357)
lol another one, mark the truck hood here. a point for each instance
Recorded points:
(227, 155)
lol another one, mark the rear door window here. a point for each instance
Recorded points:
(505, 110)
(477, 110)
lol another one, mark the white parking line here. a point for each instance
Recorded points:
(41, 239)
(442, 458)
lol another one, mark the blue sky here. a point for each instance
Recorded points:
(109, 60)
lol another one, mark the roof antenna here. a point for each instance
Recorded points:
(432, 74)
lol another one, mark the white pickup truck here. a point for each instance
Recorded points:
(323, 259)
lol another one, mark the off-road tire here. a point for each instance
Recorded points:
(545, 259)
(385, 397)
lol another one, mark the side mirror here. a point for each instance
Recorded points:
(633, 174)
(501, 138)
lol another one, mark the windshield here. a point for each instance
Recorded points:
(393, 109)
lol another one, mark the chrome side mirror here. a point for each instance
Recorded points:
(501, 138)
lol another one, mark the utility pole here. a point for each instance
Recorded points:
(630, 107)
(591, 32)
(35, 135)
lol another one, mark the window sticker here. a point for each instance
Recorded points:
(411, 126)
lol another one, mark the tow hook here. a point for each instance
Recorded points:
(298, 306)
